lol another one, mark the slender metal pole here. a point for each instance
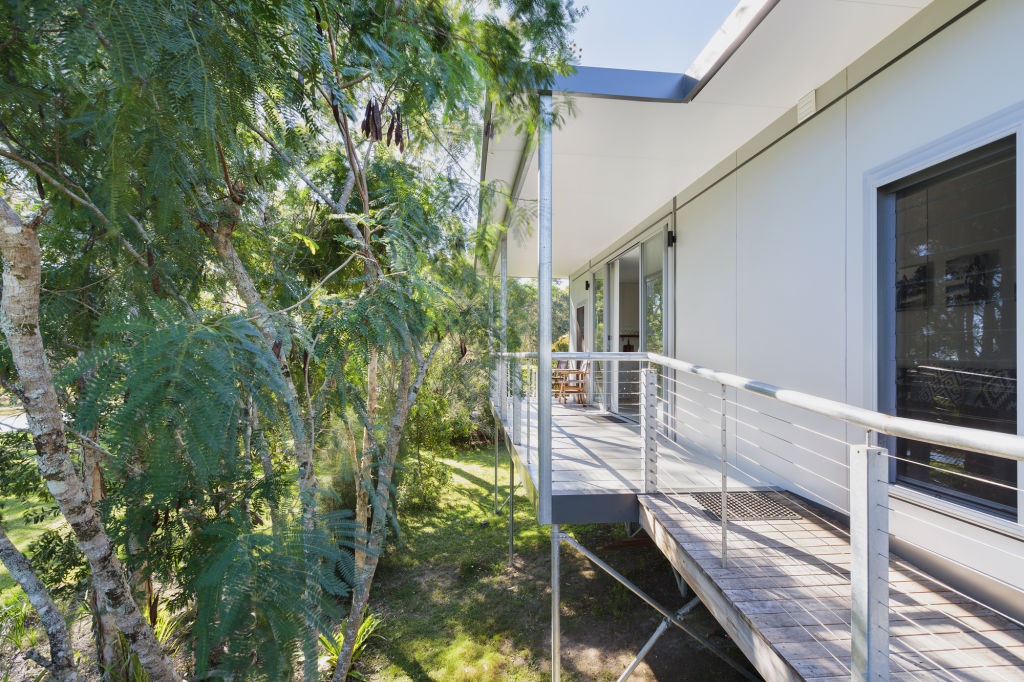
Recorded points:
(653, 604)
(503, 322)
(497, 448)
(556, 625)
(544, 314)
(511, 507)
(662, 627)
(725, 482)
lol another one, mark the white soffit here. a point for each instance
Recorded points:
(616, 161)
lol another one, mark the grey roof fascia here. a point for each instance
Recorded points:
(628, 84)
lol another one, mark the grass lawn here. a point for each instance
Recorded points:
(21, 534)
(454, 610)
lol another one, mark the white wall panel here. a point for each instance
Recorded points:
(908, 107)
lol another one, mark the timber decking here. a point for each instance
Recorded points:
(594, 451)
(784, 598)
(596, 465)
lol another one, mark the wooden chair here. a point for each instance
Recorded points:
(576, 383)
(558, 378)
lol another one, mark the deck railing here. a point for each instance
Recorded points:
(764, 436)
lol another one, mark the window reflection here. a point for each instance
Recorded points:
(955, 321)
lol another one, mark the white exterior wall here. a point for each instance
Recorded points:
(775, 274)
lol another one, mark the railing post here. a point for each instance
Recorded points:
(725, 479)
(649, 428)
(869, 562)
(529, 419)
(517, 403)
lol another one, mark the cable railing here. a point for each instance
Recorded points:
(752, 435)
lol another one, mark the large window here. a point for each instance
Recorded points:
(599, 311)
(950, 259)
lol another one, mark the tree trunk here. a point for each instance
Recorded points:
(408, 389)
(62, 656)
(364, 468)
(109, 655)
(279, 344)
(19, 245)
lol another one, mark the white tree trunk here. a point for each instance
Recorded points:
(19, 246)
(62, 656)
(408, 389)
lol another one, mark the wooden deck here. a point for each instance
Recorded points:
(784, 598)
(596, 460)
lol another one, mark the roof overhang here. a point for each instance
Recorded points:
(635, 139)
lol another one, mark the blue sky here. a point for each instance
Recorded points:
(651, 35)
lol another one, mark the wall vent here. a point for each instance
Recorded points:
(805, 107)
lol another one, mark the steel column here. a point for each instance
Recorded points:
(503, 323)
(556, 626)
(544, 314)
(511, 507)
(869, 562)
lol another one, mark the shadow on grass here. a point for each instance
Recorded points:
(454, 609)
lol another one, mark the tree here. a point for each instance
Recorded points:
(247, 224)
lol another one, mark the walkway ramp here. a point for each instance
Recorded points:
(784, 593)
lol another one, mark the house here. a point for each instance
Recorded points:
(813, 230)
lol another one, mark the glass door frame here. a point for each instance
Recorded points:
(606, 395)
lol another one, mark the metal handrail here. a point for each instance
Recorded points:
(1004, 445)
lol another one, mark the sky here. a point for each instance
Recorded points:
(649, 35)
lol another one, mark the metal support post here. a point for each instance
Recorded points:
(653, 604)
(649, 427)
(869, 562)
(556, 625)
(503, 324)
(725, 481)
(662, 627)
(511, 507)
(544, 313)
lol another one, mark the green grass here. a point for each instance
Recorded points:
(453, 610)
(21, 534)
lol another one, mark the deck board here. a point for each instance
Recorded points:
(592, 455)
(784, 597)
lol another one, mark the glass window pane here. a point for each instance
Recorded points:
(653, 293)
(599, 311)
(955, 321)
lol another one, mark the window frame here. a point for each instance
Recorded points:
(879, 282)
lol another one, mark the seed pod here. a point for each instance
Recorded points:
(399, 131)
(377, 127)
(391, 130)
(367, 126)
